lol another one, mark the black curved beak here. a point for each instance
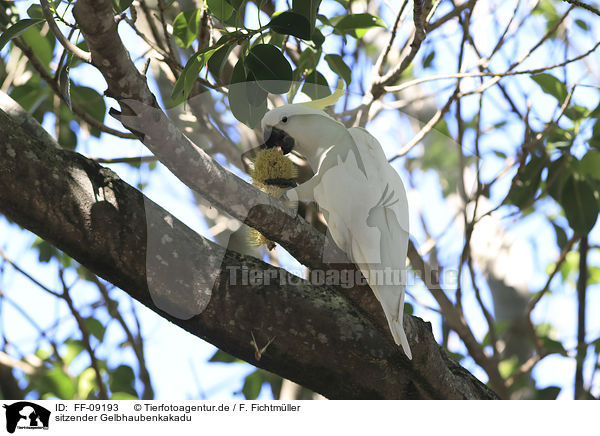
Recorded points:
(275, 137)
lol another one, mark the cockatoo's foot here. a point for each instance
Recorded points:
(290, 199)
(281, 183)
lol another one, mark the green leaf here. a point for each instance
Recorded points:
(270, 68)
(595, 139)
(316, 86)
(186, 27)
(35, 11)
(596, 112)
(508, 367)
(221, 9)
(358, 24)
(95, 328)
(580, 204)
(66, 136)
(56, 382)
(123, 396)
(236, 3)
(65, 83)
(252, 385)
(576, 112)
(559, 171)
(561, 138)
(223, 357)
(526, 183)
(121, 5)
(190, 72)
(32, 96)
(561, 236)
(568, 267)
(308, 9)
(87, 384)
(548, 11)
(499, 328)
(318, 38)
(17, 29)
(457, 357)
(428, 59)
(74, 349)
(553, 346)
(549, 393)
(296, 77)
(338, 66)
(217, 61)
(256, 95)
(291, 23)
(42, 46)
(92, 102)
(122, 379)
(551, 85)
(594, 275)
(239, 102)
(582, 24)
(46, 250)
(308, 60)
(590, 164)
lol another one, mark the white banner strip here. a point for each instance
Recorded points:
(298, 417)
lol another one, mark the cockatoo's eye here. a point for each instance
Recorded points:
(284, 119)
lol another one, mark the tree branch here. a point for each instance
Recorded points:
(68, 45)
(323, 343)
(585, 6)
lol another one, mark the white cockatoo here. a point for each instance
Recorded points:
(360, 195)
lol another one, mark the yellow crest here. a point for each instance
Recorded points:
(330, 100)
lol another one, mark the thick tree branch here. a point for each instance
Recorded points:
(198, 170)
(322, 341)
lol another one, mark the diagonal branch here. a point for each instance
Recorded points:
(109, 227)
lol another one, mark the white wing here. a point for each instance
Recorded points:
(367, 215)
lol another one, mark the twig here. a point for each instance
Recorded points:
(415, 82)
(581, 306)
(166, 35)
(68, 45)
(136, 341)
(426, 128)
(11, 362)
(383, 57)
(26, 274)
(524, 368)
(538, 295)
(419, 34)
(431, 279)
(549, 33)
(585, 6)
(77, 110)
(452, 14)
(103, 394)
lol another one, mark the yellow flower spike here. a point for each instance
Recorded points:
(270, 164)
